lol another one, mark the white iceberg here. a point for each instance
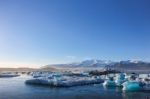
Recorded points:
(64, 81)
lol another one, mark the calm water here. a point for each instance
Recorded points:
(14, 88)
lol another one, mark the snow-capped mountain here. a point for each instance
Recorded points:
(132, 61)
(128, 66)
(95, 63)
(85, 63)
(99, 63)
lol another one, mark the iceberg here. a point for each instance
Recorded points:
(3, 75)
(131, 86)
(109, 83)
(64, 81)
(120, 79)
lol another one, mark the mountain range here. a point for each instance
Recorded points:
(101, 63)
(124, 66)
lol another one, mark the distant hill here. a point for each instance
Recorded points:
(17, 69)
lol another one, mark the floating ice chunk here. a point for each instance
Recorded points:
(131, 86)
(109, 83)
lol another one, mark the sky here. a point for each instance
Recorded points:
(35, 33)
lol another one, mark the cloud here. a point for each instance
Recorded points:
(71, 57)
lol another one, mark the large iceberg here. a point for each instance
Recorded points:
(64, 81)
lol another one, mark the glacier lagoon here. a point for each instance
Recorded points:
(15, 88)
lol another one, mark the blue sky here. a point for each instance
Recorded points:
(39, 32)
